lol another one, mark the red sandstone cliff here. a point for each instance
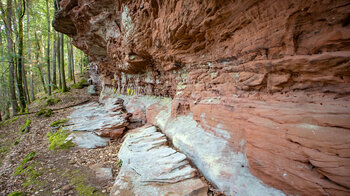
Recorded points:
(275, 74)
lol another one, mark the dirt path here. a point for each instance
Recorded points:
(52, 172)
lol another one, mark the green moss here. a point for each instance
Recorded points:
(31, 174)
(17, 140)
(28, 170)
(58, 123)
(58, 140)
(52, 101)
(25, 128)
(81, 84)
(44, 112)
(16, 193)
(81, 186)
(20, 168)
(9, 121)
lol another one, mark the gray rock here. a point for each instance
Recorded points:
(150, 167)
(87, 140)
(91, 90)
(103, 173)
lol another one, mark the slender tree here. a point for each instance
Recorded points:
(69, 61)
(38, 49)
(32, 94)
(8, 29)
(48, 48)
(20, 63)
(72, 59)
(58, 55)
(63, 77)
(54, 82)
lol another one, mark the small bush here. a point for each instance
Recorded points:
(52, 101)
(58, 123)
(58, 140)
(44, 112)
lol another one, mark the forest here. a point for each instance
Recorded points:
(35, 59)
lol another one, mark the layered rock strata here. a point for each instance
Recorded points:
(152, 168)
(92, 121)
(269, 78)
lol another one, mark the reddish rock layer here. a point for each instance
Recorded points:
(274, 74)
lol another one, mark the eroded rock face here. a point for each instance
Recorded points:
(272, 78)
(150, 167)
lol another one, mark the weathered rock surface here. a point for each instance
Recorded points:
(150, 167)
(87, 140)
(269, 78)
(107, 120)
(91, 90)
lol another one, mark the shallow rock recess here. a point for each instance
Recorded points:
(268, 79)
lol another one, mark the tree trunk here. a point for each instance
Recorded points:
(48, 48)
(20, 61)
(54, 82)
(8, 30)
(63, 75)
(72, 58)
(58, 55)
(81, 63)
(32, 94)
(38, 63)
(69, 62)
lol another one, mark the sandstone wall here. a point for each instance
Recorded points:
(270, 78)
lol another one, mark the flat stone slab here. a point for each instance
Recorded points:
(93, 116)
(151, 167)
(87, 140)
(93, 120)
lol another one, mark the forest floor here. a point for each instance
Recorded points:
(27, 165)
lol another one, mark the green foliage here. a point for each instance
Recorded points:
(58, 123)
(25, 127)
(44, 112)
(52, 101)
(16, 193)
(120, 163)
(20, 168)
(9, 121)
(81, 84)
(58, 140)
